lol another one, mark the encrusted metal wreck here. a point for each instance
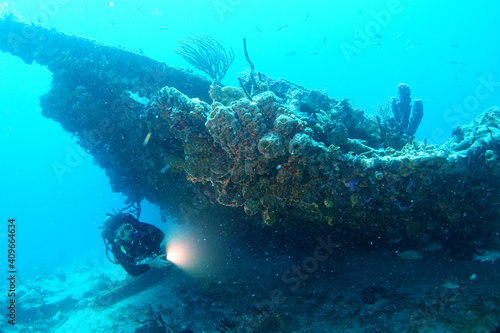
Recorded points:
(287, 154)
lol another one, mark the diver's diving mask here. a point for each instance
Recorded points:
(124, 231)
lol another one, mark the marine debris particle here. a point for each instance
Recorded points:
(284, 154)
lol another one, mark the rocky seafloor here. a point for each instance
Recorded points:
(300, 286)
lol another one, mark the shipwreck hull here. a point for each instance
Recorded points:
(289, 156)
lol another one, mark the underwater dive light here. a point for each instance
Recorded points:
(191, 251)
(177, 253)
(181, 253)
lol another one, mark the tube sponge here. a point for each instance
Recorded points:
(402, 110)
(404, 104)
(416, 117)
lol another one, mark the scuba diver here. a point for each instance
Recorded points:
(135, 245)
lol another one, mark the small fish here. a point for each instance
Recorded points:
(283, 27)
(156, 11)
(433, 246)
(291, 53)
(487, 255)
(410, 45)
(450, 285)
(307, 16)
(399, 36)
(377, 44)
(258, 29)
(454, 46)
(393, 241)
(314, 52)
(453, 62)
(324, 41)
(137, 8)
(161, 27)
(146, 140)
(410, 255)
(376, 35)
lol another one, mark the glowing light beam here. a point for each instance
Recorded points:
(192, 252)
(179, 253)
(182, 252)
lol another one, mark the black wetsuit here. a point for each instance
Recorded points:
(144, 242)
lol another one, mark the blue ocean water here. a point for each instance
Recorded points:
(446, 51)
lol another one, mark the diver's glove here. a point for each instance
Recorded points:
(160, 262)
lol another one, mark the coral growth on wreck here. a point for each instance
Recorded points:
(270, 148)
